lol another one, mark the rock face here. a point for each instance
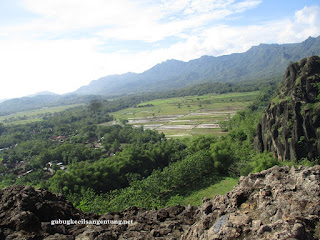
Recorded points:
(26, 211)
(278, 203)
(290, 126)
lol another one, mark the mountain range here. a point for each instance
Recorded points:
(37, 101)
(263, 62)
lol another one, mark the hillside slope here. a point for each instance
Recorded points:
(278, 203)
(265, 61)
(40, 101)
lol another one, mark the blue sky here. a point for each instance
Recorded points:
(60, 45)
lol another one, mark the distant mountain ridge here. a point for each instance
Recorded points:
(265, 61)
(43, 93)
(40, 100)
(4, 99)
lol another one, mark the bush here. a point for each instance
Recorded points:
(263, 161)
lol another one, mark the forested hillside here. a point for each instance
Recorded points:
(260, 65)
(44, 101)
(164, 119)
(266, 61)
(103, 168)
(72, 153)
(109, 167)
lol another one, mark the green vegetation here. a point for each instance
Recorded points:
(222, 186)
(34, 115)
(136, 160)
(187, 104)
(189, 115)
(42, 102)
(277, 100)
(204, 163)
(265, 62)
(102, 166)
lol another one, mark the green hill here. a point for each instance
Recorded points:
(266, 61)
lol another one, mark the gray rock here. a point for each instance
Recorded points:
(278, 203)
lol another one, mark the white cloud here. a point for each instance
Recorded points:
(186, 15)
(225, 39)
(72, 14)
(129, 20)
(245, 5)
(308, 15)
(42, 55)
(307, 22)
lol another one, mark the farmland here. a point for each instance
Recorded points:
(186, 116)
(33, 115)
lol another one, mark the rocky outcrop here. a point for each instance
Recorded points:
(278, 203)
(290, 126)
(26, 213)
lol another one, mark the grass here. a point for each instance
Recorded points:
(204, 131)
(185, 105)
(219, 188)
(206, 109)
(207, 187)
(33, 115)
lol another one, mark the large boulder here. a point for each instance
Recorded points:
(27, 212)
(278, 203)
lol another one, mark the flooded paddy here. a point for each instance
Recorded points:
(183, 125)
(186, 116)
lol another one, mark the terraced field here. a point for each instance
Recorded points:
(186, 116)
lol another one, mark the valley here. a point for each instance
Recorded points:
(28, 116)
(85, 138)
(186, 116)
(165, 120)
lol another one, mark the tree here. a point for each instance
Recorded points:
(222, 155)
(1, 128)
(95, 106)
(124, 121)
(116, 145)
(263, 161)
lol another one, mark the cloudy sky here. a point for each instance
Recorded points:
(60, 45)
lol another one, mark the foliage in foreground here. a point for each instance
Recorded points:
(207, 157)
(131, 166)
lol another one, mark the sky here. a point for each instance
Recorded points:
(61, 45)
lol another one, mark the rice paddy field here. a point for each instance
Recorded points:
(186, 116)
(175, 117)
